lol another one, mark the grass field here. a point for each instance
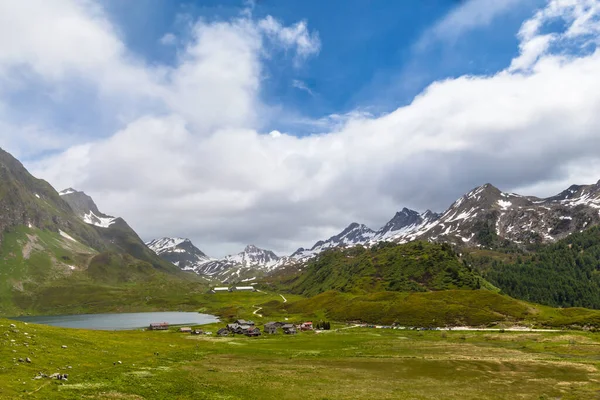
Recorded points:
(345, 364)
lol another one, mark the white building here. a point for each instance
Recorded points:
(244, 288)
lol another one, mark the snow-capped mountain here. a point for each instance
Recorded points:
(252, 256)
(404, 224)
(86, 209)
(179, 251)
(485, 216)
(250, 263)
(353, 235)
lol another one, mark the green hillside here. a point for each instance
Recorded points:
(440, 308)
(53, 262)
(45, 272)
(563, 274)
(411, 267)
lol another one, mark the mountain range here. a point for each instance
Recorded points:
(483, 217)
(247, 265)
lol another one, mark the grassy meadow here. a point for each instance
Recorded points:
(354, 363)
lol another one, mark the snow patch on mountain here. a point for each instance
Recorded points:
(504, 204)
(102, 222)
(67, 191)
(66, 235)
(160, 246)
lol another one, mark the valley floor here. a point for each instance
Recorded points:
(354, 363)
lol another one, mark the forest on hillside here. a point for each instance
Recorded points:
(563, 274)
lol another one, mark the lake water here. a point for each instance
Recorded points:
(124, 321)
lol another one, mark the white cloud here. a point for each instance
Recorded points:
(63, 40)
(296, 36)
(168, 39)
(584, 29)
(197, 166)
(302, 86)
(469, 15)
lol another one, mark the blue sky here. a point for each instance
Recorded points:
(368, 59)
(278, 123)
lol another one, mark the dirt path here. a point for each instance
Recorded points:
(257, 310)
(284, 299)
(467, 328)
(339, 329)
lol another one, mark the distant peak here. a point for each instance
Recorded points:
(406, 211)
(251, 249)
(488, 186)
(483, 189)
(354, 226)
(428, 213)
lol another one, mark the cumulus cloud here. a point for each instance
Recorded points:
(196, 164)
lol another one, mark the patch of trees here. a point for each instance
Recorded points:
(323, 325)
(563, 274)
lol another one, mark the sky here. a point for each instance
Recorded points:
(279, 123)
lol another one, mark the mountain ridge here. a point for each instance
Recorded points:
(483, 217)
(250, 263)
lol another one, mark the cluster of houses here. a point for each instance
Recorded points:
(242, 327)
(248, 328)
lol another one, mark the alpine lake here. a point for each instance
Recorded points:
(120, 321)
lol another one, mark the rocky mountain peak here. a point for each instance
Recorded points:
(178, 251)
(255, 255)
(164, 244)
(252, 249)
(86, 209)
(430, 215)
(486, 192)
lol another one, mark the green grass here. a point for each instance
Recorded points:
(344, 364)
(441, 308)
(40, 280)
(410, 267)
